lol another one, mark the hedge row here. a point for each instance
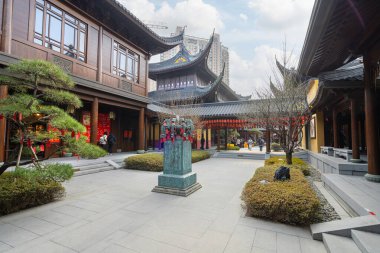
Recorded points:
(297, 163)
(292, 201)
(24, 188)
(155, 161)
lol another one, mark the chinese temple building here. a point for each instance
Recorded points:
(186, 86)
(341, 56)
(103, 47)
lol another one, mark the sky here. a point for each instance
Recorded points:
(253, 30)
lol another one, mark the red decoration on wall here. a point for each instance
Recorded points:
(104, 124)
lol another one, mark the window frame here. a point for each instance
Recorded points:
(119, 49)
(80, 28)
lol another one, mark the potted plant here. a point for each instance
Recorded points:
(67, 152)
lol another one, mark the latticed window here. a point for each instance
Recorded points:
(59, 31)
(125, 62)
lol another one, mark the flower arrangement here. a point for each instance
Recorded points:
(177, 127)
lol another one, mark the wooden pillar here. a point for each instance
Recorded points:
(3, 125)
(267, 141)
(94, 120)
(7, 26)
(5, 47)
(371, 71)
(225, 137)
(153, 135)
(218, 139)
(140, 145)
(207, 137)
(335, 129)
(354, 130)
(99, 74)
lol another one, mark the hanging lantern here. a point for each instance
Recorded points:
(70, 109)
(112, 115)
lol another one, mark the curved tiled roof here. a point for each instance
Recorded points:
(174, 64)
(116, 18)
(190, 93)
(220, 109)
(174, 41)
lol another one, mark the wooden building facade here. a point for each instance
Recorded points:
(105, 49)
(341, 55)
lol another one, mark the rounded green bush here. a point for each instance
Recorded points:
(155, 161)
(297, 163)
(292, 201)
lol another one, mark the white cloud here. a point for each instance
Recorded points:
(248, 75)
(281, 14)
(199, 17)
(243, 16)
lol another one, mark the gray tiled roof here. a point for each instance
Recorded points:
(171, 64)
(189, 93)
(352, 71)
(221, 109)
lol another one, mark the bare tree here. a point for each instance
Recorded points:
(283, 108)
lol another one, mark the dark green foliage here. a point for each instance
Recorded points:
(155, 161)
(24, 188)
(291, 201)
(147, 162)
(297, 163)
(233, 148)
(84, 149)
(199, 155)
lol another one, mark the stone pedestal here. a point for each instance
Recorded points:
(177, 177)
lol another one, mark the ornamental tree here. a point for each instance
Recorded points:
(282, 108)
(38, 90)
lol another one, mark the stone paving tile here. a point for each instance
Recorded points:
(185, 223)
(35, 225)
(228, 219)
(4, 247)
(113, 248)
(276, 227)
(260, 250)
(288, 244)
(241, 240)
(48, 247)
(312, 246)
(265, 239)
(212, 241)
(146, 245)
(89, 234)
(14, 236)
(56, 218)
(166, 236)
(89, 206)
(74, 211)
(106, 242)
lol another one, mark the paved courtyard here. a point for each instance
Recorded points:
(116, 211)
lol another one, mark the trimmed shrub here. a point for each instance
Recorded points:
(199, 155)
(233, 148)
(147, 162)
(155, 161)
(292, 201)
(297, 163)
(24, 188)
(275, 146)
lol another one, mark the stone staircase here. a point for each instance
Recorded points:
(354, 235)
(239, 155)
(97, 166)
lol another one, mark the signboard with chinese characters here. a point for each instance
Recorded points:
(104, 124)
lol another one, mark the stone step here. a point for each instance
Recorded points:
(367, 242)
(339, 244)
(91, 171)
(240, 155)
(343, 227)
(92, 166)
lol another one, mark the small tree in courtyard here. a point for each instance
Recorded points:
(283, 108)
(37, 91)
